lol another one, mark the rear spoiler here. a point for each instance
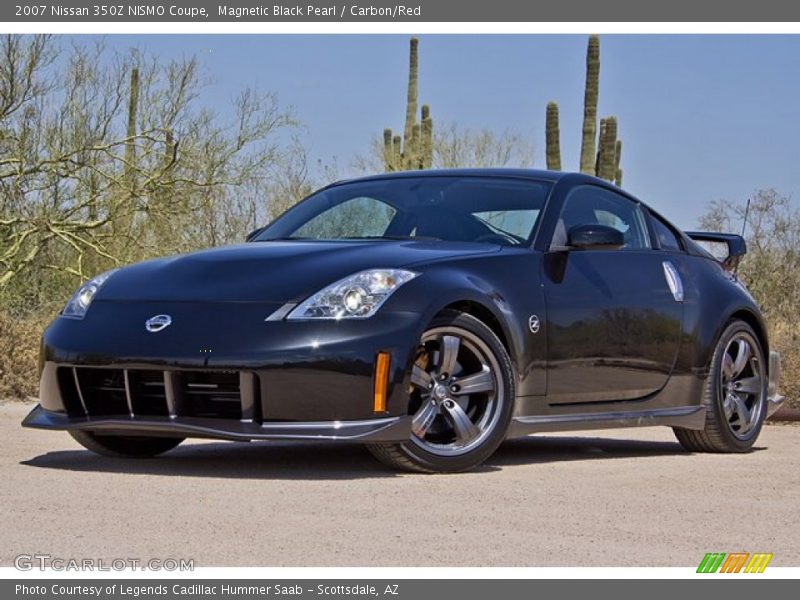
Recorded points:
(737, 247)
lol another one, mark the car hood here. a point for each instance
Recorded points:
(270, 271)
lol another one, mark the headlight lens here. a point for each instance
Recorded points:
(79, 303)
(356, 297)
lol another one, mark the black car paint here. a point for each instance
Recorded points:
(220, 301)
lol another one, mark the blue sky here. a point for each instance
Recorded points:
(701, 117)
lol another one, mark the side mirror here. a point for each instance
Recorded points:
(253, 234)
(596, 237)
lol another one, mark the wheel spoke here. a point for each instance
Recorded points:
(742, 414)
(748, 385)
(727, 367)
(743, 353)
(448, 353)
(424, 418)
(727, 406)
(475, 384)
(464, 427)
(420, 377)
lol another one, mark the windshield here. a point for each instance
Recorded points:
(456, 209)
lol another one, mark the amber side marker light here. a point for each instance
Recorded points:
(381, 381)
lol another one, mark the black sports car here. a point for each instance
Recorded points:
(429, 315)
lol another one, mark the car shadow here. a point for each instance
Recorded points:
(336, 461)
(232, 460)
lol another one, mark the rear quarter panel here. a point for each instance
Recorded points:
(713, 297)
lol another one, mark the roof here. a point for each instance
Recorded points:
(539, 174)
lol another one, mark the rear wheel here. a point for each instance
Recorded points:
(734, 397)
(124, 446)
(461, 398)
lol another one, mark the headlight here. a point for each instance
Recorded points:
(356, 297)
(79, 303)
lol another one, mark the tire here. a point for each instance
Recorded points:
(724, 429)
(124, 446)
(481, 387)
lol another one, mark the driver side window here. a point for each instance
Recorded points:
(591, 205)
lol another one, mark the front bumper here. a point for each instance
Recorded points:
(224, 372)
(774, 399)
(278, 372)
(386, 429)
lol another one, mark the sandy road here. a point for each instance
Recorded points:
(603, 498)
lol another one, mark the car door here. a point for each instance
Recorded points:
(613, 315)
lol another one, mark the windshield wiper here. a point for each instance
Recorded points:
(500, 231)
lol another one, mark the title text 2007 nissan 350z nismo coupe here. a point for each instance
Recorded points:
(429, 315)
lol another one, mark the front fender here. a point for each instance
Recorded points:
(502, 290)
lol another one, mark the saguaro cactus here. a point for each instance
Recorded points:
(606, 158)
(590, 105)
(427, 138)
(415, 149)
(600, 150)
(388, 150)
(130, 143)
(397, 151)
(601, 136)
(412, 153)
(411, 98)
(552, 134)
(617, 168)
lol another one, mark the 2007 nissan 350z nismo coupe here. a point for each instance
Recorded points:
(429, 315)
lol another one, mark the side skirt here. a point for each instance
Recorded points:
(688, 417)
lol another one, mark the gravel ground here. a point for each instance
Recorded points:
(600, 498)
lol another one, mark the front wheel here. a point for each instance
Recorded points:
(735, 395)
(461, 398)
(124, 446)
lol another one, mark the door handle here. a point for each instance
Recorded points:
(673, 280)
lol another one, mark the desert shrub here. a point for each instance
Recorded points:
(108, 158)
(785, 337)
(19, 356)
(770, 270)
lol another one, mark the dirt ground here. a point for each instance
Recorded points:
(600, 498)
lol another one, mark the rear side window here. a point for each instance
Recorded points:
(667, 239)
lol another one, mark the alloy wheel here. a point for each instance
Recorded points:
(456, 390)
(742, 384)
